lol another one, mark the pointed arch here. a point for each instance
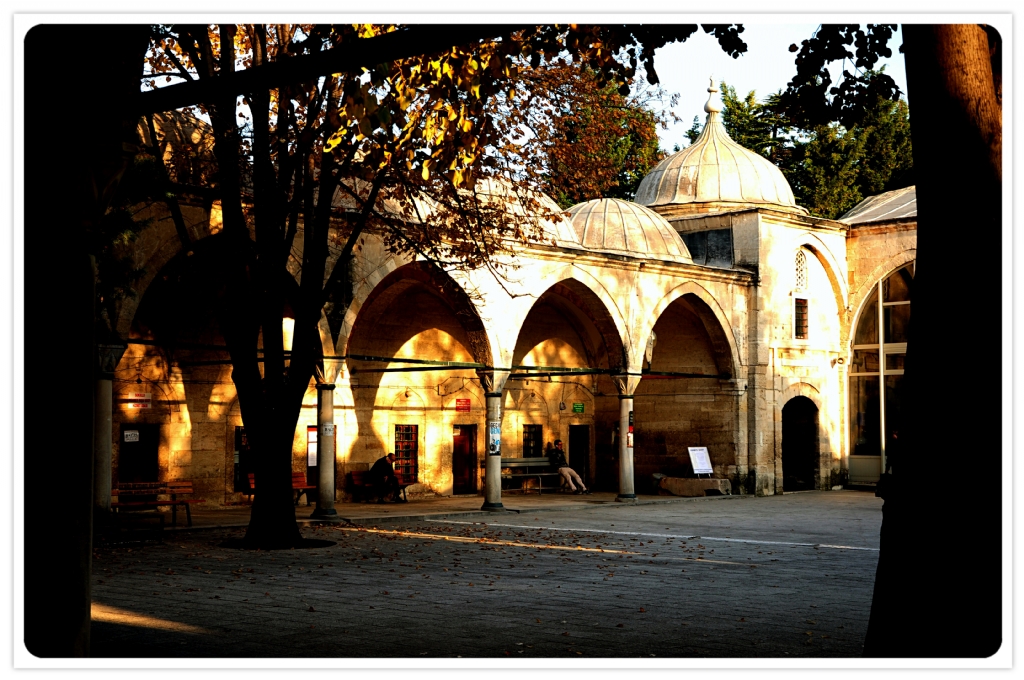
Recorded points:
(581, 307)
(802, 389)
(585, 284)
(859, 296)
(828, 261)
(714, 318)
(431, 278)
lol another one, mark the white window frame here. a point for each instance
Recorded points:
(883, 348)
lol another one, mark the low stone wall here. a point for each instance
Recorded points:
(681, 486)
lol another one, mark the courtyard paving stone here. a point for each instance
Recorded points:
(567, 576)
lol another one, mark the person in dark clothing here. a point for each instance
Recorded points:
(558, 461)
(385, 480)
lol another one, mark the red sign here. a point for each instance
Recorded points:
(462, 405)
(134, 400)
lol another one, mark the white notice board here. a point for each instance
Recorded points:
(700, 459)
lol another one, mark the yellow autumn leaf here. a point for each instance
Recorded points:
(334, 140)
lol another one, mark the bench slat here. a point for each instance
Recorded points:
(133, 490)
(361, 483)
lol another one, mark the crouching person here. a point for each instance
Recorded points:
(384, 479)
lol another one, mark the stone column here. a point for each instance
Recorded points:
(492, 467)
(493, 382)
(626, 384)
(108, 355)
(737, 389)
(626, 486)
(325, 456)
(102, 434)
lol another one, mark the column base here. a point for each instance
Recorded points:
(625, 497)
(329, 514)
(497, 507)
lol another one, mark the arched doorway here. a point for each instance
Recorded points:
(800, 447)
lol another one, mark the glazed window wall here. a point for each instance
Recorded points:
(876, 371)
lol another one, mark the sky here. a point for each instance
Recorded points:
(766, 67)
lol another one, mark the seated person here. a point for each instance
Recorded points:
(384, 479)
(557, 457)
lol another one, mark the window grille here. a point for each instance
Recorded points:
(407, 446)
(800, 319)
(801, 271)
(533, 441)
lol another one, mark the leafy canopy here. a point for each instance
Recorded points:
(584, 140)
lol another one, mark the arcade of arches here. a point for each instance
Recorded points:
(743, 325)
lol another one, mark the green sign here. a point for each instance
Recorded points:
(577, 407)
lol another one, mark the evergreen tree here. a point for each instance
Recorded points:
(830, 168)
(887, 162)
(743, 120)
(694, 132)
(824, 170)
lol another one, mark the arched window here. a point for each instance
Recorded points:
(801, 271)
(876, 374)
(800, 311)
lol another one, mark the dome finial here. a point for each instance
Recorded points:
(713, 104)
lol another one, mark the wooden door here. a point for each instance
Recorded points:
(579, 451)
(138, 453)
(801, 460)
(464, 463)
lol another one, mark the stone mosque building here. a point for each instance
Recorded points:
(711, 312)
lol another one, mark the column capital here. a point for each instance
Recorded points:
(493, 379)
(626, 383)
(108, 355)
(325, 386)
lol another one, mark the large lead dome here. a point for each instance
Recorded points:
(715, 173)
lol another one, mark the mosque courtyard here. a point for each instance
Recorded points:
(782, 576)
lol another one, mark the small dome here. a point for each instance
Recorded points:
(611, 224)
(555, 228)
(716, 173)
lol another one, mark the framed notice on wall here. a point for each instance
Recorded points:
(311, 446)
(700, 459)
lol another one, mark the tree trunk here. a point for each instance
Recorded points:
(270, 420)
(938, 584)
(272, 522)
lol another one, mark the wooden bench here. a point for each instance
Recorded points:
(142, 495)
(362, 488)
(299, 485)
(538, 468)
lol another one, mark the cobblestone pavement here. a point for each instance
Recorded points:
(783, 576)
